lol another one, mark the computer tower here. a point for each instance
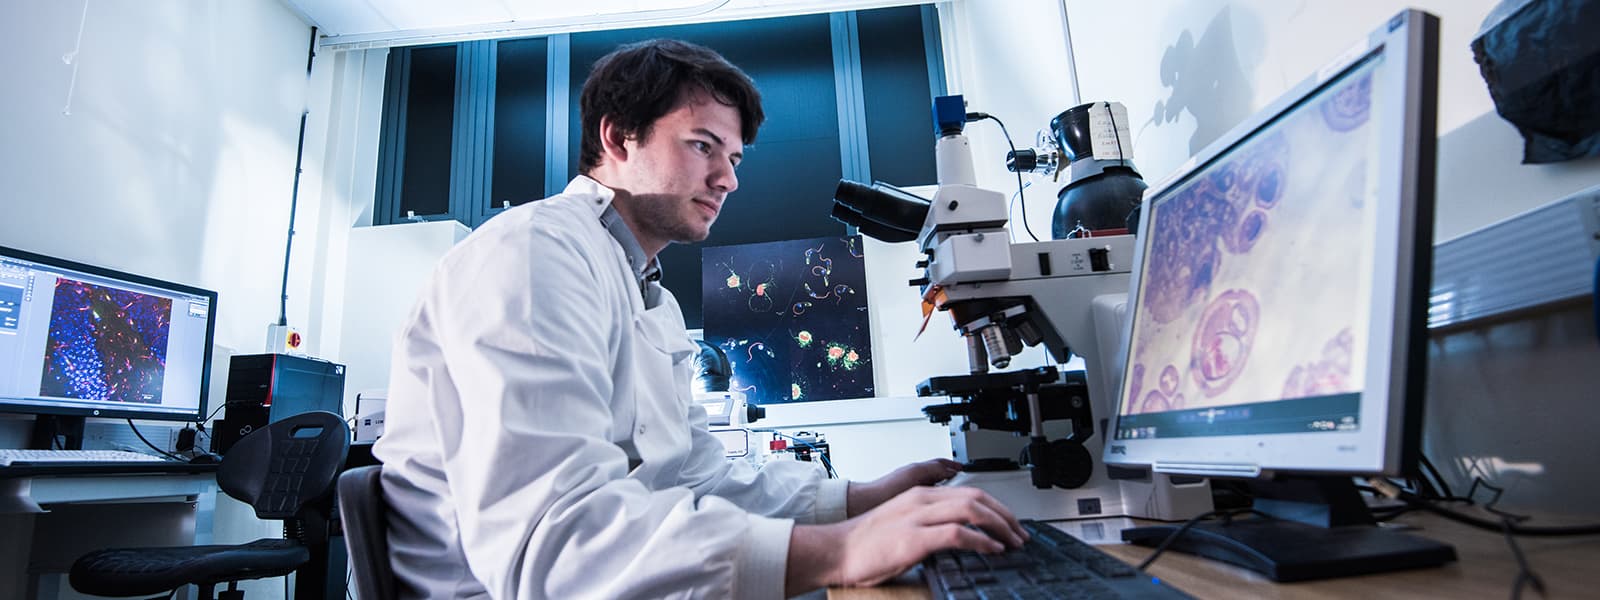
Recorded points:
(265, 388)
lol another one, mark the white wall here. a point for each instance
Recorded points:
(171, 155)
(176, 158)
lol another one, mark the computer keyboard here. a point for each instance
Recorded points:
(1053, 564)
(15, 456)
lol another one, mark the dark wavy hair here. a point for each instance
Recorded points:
(638, 83)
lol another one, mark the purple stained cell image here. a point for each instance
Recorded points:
(1330, 375)
(1222, 343)
(1155, 401)
(1135, 383)
(1184, 253)
(1218, 207)
(1258, 263)
(1169, 380)
(106, 344)
(1337, 352)
(1256, 174)
(1242, 237)
(1269, 188)
(1294, 382)
(1351, 106)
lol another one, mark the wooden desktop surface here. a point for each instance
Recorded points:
(1485, 568)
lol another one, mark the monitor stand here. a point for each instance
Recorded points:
(1320, 529)
(56, 432)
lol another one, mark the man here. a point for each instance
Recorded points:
(541, 440)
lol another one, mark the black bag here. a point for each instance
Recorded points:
(1541, 59)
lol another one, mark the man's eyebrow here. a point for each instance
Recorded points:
(716, 138)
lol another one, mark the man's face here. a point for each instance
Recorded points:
(677, 177)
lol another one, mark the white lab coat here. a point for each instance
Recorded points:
(541, 439)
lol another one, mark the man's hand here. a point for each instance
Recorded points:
(863, 497)
(884, 542)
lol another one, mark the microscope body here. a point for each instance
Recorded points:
(1033, 438)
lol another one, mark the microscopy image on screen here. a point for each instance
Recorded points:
(106, 344)
(1258, 275)
(792, 317)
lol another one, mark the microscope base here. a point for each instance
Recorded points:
(1159, 499)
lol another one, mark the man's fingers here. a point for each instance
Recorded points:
(967, 509)
(951, 536)
(1004, 513)
(929, 472)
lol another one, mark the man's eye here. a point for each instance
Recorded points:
(701, 146)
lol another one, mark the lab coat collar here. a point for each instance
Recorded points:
(645, 269)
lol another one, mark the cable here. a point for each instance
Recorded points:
(978, 116)
(1013, 202)
(1508, 523)
(294, 191)
(1227, 515)
(147, 442)
(1472, 492)
(1443, 487)
(213, 412)
(828, 465)
(1111, 115)
(1525, 573)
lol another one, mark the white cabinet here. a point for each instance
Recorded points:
(387, 266)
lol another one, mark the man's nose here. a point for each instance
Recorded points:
(724, 179)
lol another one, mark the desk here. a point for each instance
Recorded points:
(1485, 568)
(50, 518)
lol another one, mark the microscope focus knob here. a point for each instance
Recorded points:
(1062, 463)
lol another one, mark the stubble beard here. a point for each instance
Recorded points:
(662, 217)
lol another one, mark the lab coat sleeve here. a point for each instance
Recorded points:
(544, 505)
(781, 488)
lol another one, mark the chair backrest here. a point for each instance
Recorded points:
(363, 510)
(285, 466)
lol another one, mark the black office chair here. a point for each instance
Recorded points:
(363, 509)
(286, 472)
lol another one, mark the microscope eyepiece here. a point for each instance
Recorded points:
(880, 210)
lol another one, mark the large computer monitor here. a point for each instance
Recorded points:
(83, 341)
(1279, 297)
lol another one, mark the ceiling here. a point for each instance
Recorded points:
(352, 24)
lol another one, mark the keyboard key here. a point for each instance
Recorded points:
(1053, 564)
(1112, 568)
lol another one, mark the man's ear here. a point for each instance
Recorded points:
(611, 141)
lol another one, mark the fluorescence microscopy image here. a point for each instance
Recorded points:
(792, 318)
(106, 344)
(1259, 267)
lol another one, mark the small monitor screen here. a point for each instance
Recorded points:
(1253, 311)
(74, 341)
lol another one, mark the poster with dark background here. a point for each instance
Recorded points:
(792, 317)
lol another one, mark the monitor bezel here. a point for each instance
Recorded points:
(1388, 439)
(12, 406)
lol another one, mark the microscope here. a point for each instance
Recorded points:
(1031, 437)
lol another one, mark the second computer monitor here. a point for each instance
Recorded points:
(84, 341)
(1280, 290)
